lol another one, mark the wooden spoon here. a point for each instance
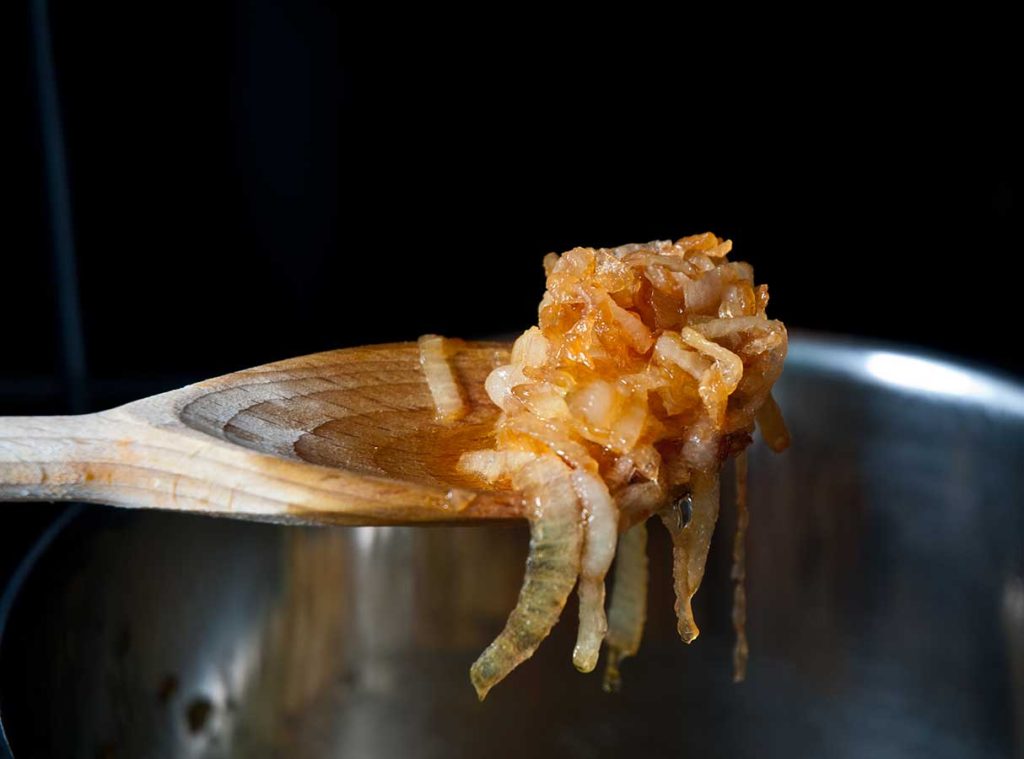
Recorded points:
(342, 437)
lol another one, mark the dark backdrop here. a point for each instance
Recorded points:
(268, 179)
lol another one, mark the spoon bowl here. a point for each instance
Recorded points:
(342, 437)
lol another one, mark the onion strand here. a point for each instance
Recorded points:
(741, 649)
(691, 541)
(600, 528)
(772, 425)
(552, 565)
(628, 610)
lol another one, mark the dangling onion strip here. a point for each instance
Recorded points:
(600, 530)
(556, 539)
(691, 541)
(741, 649)
(772, 425)
(628, 610)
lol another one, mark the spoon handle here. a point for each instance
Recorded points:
(50, 458)
(120, 458)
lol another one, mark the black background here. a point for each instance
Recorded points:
(269, 179)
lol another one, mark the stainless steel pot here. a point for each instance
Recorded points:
(886, 611)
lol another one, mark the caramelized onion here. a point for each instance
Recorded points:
(646, 369)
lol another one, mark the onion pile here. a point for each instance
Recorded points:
(650, 365)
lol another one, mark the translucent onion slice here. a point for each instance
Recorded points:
(772, 425)
(741, 650)
(720, 250)
(595, 403)
(600, 529)
(702, 241)
(701, 447)
(718, 328)
(627, 429)
(631, 327)
(670, 349)
(549, 436)
(444, 387)
(543, 400)
(738, 301)
(647, 259)
(718, 382)
(530, 349)
(556, 539)
(702, 294)
(628, 610)
(691, 541)
(729, 364)
(499, 387)
(491, 465)
(669, 282)
(701, 261)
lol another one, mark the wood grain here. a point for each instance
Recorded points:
(346, 436)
